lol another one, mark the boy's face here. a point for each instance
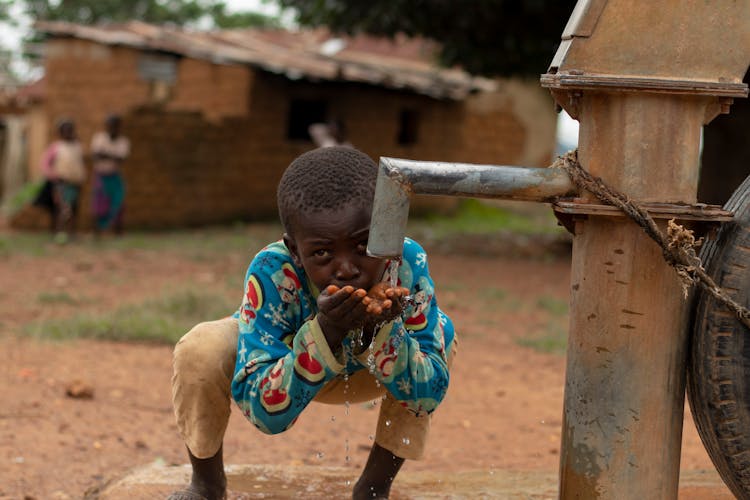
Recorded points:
(331, 247)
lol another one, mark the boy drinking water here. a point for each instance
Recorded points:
(320, 321)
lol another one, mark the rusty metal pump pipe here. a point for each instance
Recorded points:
(398, 179)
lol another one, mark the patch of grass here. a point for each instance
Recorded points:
(552, 305)
(553, 340)
(452, 286)
(202, 244)
(22, 197)
(56, 298)
(502, 299)
(163, 321)
(494, 293)
(476, 217)
(234, 281)
(32, 244)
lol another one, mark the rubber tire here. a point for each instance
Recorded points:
(718, 381)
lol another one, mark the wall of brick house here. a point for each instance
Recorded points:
(216, 148)
(489, 130)
(188, 170)
(86, 81)
(217, 91)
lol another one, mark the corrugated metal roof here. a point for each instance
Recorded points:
(401, 63)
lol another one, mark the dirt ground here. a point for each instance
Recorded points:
(502, 411)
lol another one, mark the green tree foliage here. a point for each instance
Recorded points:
(97, 11)
(489, 37)
(226, 20)
(178, 12)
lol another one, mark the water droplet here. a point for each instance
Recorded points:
(348, 482)
(333, 418)
(492, 473)
(320, 454)
(347, 459)
(387, 423)
(406, 440)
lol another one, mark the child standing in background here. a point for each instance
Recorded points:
(109, 148)
(63, 167)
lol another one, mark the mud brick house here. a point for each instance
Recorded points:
(215, 117)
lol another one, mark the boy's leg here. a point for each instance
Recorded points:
(61, 211)
(378, 475)
(382, 465)
(208, 481)
(203, 368)
(400, 435)
(74, 212)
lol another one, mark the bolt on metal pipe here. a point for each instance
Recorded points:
(398, 179)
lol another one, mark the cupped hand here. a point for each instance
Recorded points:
(386, 302)
(341, 310)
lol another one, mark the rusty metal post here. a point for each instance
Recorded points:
(641, 78)
(625, 377)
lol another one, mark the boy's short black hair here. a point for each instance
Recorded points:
(326, 179)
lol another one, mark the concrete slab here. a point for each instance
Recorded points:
(312, 482)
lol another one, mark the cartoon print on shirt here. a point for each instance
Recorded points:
(253, 299)
(288, 285)
(274, 397)
(386, 358)
(306, 367)
(256, 359)
(422, 296)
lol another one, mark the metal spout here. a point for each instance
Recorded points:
(398, 179)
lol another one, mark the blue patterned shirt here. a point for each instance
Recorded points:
(283, 359)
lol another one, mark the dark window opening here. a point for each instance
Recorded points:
(408, 127)
(302, 114)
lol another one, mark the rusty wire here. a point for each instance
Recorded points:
(678, 246)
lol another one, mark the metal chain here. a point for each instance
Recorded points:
(678, 246)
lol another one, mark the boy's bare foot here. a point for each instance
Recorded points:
(378, 474)
(208, 481)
